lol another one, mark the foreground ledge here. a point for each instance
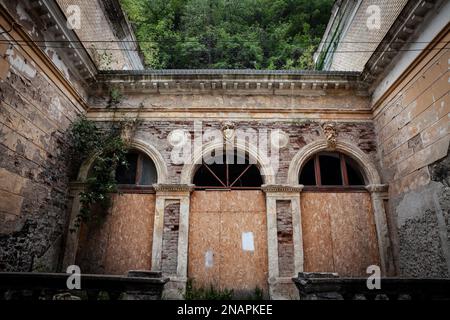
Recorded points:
(329, 286)
(137, 285)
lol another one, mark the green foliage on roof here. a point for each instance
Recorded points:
(228, 34)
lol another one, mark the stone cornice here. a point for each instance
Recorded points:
(19, 35)
(76, 56)
(267, 82)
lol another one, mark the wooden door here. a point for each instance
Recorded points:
(228, 240)
(122, 240)
(338, 232)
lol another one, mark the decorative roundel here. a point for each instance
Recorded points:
(178, 137)
(279, 139)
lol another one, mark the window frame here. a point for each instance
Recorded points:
(136, 187)
(227, 183)
(330, 188)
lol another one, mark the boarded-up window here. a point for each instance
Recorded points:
(331, 169)
(140, 170)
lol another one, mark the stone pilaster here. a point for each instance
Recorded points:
(282, 287)
(166, 195)
(73, 233)
(378, 193)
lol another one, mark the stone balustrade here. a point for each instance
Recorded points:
(329, 286)
(137, 285)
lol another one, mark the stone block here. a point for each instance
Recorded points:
(4, 68)
(435, 132)
(10, 203)
(11, 182)
(410, 182)
(424, 157)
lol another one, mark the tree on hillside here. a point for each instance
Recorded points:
(232, 34)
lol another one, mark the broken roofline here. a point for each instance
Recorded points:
(227, 79)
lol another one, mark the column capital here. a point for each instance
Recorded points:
(281, 188)
(173, 189)
(377, 188)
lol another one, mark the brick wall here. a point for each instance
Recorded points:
(285, 239)
(301, 132)
(412, 125)
(170, 237)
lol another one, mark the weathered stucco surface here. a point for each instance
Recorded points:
(413, 132)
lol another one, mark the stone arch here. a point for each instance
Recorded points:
(368, 167)
(147, 149)
(261, 161)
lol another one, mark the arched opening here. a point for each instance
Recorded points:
(331, 169)
(227, 225)
(227, 171)
(140, 170)
(338, 226)
(120, 238)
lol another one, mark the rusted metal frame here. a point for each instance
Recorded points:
(227, 188)
(215, 176)
(242, 173)
(227, 172)
(344, 174)
(334, 189)
(138, 169)
(132, 188)
(317, 171)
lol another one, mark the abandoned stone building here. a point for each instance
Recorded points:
(236, 178)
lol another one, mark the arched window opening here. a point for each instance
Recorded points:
(331, 169)
(140, 170)
(231, 171)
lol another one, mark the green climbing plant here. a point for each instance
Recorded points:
(108, 150)
(115, 96)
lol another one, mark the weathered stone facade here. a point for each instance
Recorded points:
(36, 110)
(399, 138)
(412, 125)
(301, 132)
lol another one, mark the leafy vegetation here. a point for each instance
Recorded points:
(233, 34)
(108, 150)
(211, 293)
